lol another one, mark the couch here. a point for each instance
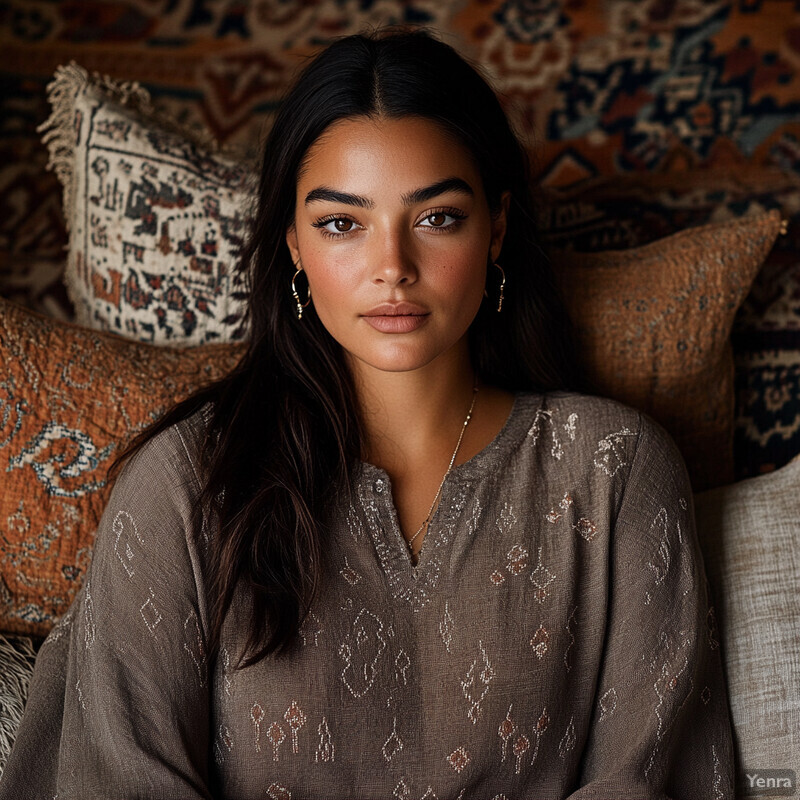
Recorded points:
(665, 140)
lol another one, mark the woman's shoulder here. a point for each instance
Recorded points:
(171, 457)
(573, 410)
(150, 526)
(604, 432)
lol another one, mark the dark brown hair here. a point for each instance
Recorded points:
(284, 433)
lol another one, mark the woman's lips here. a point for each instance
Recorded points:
(399, 317)
(396, 323)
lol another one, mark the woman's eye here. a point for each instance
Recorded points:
(442, 220)
(335, 226)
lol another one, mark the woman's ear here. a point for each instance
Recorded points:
(291, 242)
(499, 225)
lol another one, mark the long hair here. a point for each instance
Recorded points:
(285, 435)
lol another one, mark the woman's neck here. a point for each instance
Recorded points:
(413, 426)
(414, 416)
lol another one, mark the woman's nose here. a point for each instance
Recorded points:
(394, 262)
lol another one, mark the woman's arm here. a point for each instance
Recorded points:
(661, 725)
(120, 702)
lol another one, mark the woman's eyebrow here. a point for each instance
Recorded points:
(335, 196)
(435, 189)
(417, 196)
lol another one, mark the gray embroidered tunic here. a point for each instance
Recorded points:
(555, 639)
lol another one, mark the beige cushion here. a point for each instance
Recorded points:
(750, 535)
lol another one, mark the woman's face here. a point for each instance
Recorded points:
(393, 230)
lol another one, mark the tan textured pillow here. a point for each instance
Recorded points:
(653, 327)
(750, 536)
(69, 397)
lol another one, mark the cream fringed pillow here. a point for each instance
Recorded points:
(156, 219)
(750, 536)
(653, 326)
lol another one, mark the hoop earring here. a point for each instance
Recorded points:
(502, 286)
(300, 306)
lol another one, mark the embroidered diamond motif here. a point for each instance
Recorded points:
(586, 528)
(569, 426)
(476, 684)
(506, 730)
(521, 746)
(278, 792)
(542, 578)
(295, 719)
(257, 715)
(539, 641)
(325, 749)
(276, 735)
(608, 703)
(393, 745)
(401, 665)
(150, 614)
(459, 759)
(610, 453)
(544, 721)
(446, 628)
(507, 519)
(517, 559)
(349, 574)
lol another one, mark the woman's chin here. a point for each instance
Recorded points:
(403, 356)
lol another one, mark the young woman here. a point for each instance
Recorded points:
(395, 554)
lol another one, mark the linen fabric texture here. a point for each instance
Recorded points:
(70, 400)
(553, 641)
(751, 545)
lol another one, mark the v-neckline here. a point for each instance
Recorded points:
(412, 581)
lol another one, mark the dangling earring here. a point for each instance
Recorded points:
(502, 285)
(300, 306)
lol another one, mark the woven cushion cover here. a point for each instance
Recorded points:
(629, 211)
(156, 219)
(69, 398)
(654, 323)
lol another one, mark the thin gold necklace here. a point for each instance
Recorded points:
(410, 542)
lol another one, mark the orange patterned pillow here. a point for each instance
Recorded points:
(69, 398)
(654, 324)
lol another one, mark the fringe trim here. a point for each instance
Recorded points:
(58, 130)
(17, 657)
